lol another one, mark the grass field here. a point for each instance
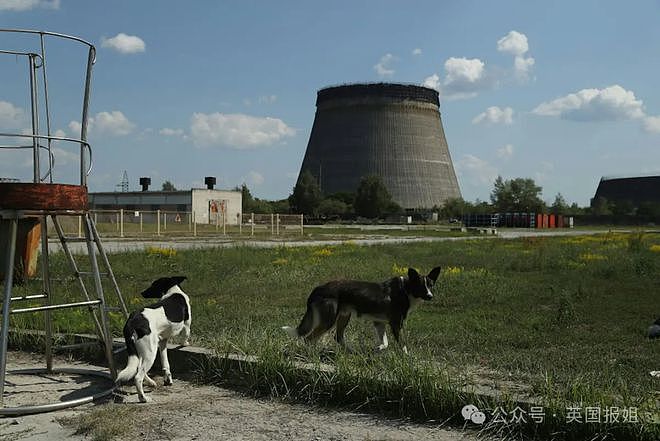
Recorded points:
(557, 321)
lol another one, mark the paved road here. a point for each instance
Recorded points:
(114, 245)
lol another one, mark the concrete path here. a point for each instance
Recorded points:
(115, 245)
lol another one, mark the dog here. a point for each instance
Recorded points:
(389, 302)
(654, 329)
(146, 332)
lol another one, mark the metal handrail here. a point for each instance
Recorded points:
(38, 61)
(54, 34)
(49, 138)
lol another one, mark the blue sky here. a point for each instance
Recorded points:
(563, 92)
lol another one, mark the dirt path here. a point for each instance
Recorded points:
(190, 412)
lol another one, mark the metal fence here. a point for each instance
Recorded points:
(159, 223)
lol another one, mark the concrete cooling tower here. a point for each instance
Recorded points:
(390, 130)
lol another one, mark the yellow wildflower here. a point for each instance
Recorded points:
(592, 256)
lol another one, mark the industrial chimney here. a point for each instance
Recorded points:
(145, 182)
(390, 130)
(210, 182)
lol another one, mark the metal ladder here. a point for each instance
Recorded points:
(97, 306)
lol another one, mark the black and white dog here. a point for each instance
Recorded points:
(146, 332)
(334, 303)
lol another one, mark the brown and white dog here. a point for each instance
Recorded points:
(146, 332)
(389, 302)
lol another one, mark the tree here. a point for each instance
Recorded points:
(516, 195)
(306, 195)
(455, 208)
(372, 198)
(280, 206)
(331, 206)
(168, 186)
(559, 206)
(601, 206)
(246, 197)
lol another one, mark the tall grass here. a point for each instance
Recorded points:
(557, 321)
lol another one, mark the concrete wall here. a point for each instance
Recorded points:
(201, 203)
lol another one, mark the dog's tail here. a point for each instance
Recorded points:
(306, 325)
(127, 374)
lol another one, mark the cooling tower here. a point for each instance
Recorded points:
(390, 130)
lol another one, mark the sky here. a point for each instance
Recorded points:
(563, 92)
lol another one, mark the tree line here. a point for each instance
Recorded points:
(370, 200)
(373, 200)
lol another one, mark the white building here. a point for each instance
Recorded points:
(208, 205)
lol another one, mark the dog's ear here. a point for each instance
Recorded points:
(413, 274)
(435, 272)
(176, 280)
(157, 288)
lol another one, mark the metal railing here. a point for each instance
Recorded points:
(37, 69)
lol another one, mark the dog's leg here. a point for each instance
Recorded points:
(342, 322)
(186, 333)
(396, 331)
(325, 317)
(316, 334)
(165, 363)
(150, 382)
(381, 336)
(147, 350)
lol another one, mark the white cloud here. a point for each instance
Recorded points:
(546, 170)
(495, 115)
(417, 51)
(464, 70)
(26, 5)
(10, 115)
(610, 104)
(170, 132)
(238, 131)
(505, 152)
(465, 77)
(75, 127)
(515, 43)
(112, 123)
(432, 82)
(383, 67)
(254, 178)
(651, 124)
(124, 44)
(523, 66)
(267, 99)
(474, 168)
(63, 157)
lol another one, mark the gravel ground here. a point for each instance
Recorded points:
(192, 412)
